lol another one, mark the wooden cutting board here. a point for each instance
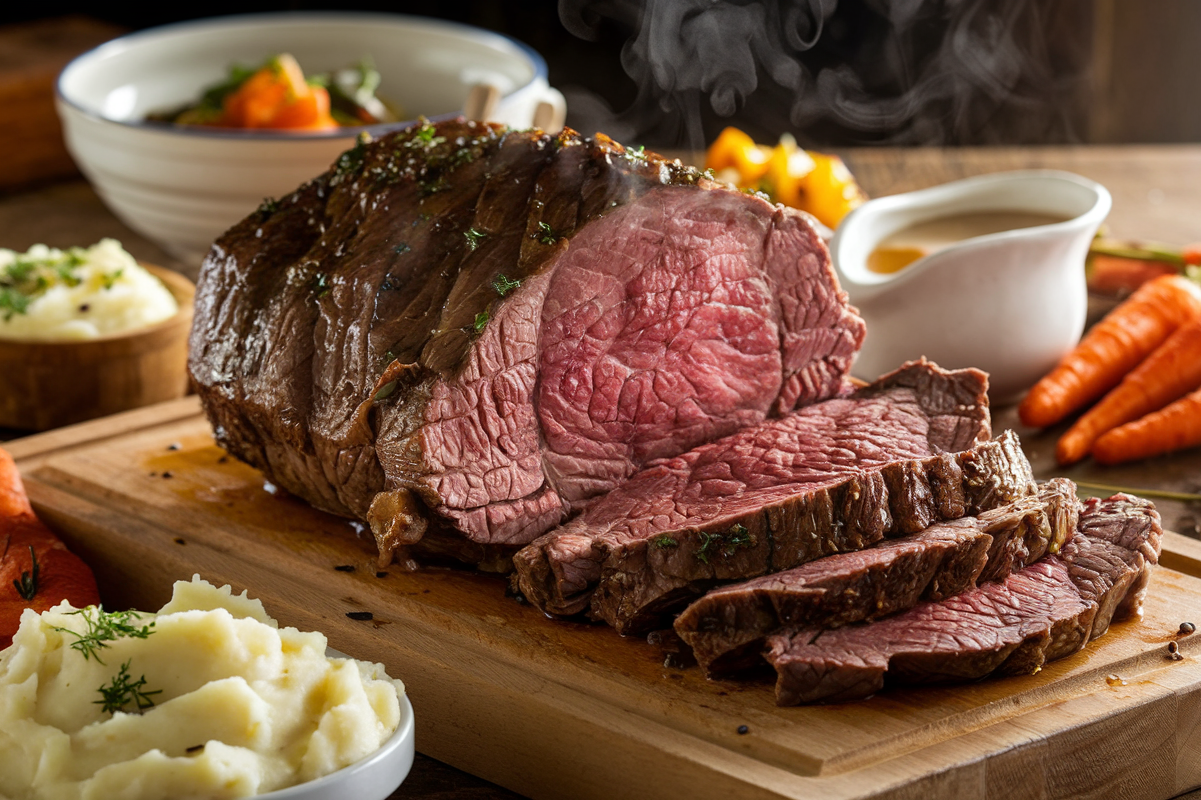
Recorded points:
(554, 709)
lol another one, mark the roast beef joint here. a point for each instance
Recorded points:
(627, 385)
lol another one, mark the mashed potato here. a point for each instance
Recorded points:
(240, 706)
(81, 293)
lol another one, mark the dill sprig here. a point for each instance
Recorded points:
(481, 321)
(27, 585)
(104, 627)
(123, 690)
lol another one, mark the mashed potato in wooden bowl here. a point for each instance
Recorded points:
(48, 294)
(209, 698)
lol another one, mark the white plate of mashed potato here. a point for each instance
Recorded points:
(207, 699)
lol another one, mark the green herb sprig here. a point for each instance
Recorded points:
(104, 627)
(123, 690)
(724, 544)
(546, 234)
(27, 585)
(503, 285)
(474, 238)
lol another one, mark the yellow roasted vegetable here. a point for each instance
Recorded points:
(815, 182)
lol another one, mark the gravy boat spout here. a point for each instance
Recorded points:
(1010, 303)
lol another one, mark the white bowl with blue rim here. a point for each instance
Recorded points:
(183, 186)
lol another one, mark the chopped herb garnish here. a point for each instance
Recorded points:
(384, 392)
(352, 160)
(474, 238)
(268, 207)
(481, 321)
(122, 691)
(104, 627)
(724, 544)
(546, 235)
(424, 136)
(26, 277)
(401, 249)
(636, 153)
(462, 156)
(663, 540)
(111, 278)
(431, 186)
(504, 285)
(27, 585)
(321, 284)
(13, 302)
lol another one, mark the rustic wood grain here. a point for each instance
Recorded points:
(46, 385)
(553, 709)
(31, 56)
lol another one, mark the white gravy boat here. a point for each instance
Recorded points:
(1011, 303)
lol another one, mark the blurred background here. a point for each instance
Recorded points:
(834, 73)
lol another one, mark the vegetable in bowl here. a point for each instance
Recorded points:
(276, 95)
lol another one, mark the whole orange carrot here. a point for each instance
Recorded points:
(36, 569)
(1114, 346)
(1171, 372)
(1173, 428)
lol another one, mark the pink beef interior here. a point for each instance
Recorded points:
(659, 333)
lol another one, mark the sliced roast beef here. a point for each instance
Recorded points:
(462, 333)
(1038, 614)
(834, 477)
(726, 628)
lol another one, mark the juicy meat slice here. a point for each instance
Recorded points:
(462, 333)
(726, 628)
(837, 476)
(1038, 614)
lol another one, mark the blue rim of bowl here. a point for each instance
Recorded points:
(536, 59)
(403, 731)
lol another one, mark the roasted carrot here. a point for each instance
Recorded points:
(277, 97)
(1114, 346)
(1115, 275)
(36, 569)
(1169, 373)
(1173, 428)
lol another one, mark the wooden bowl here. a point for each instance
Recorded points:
(50, 384)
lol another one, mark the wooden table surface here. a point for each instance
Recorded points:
(1155, 197)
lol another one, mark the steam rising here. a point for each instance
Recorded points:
(897, 71)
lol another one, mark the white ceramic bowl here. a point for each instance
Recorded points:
(1010, 303)
(374, 778)
(182, 187)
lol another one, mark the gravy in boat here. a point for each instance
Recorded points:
(900, 249)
